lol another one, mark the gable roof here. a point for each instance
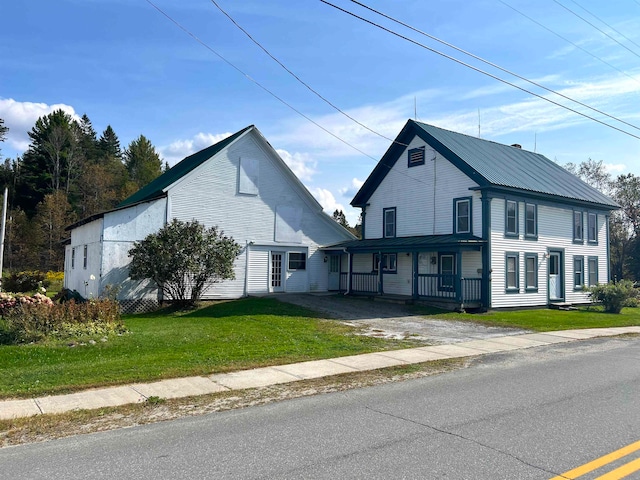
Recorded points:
(490, 165)
(155, 188)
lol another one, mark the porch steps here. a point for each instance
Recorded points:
(562, 306)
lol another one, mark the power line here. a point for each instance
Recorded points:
(495, 77)
(255, 82)
(324, 99)
(487, 62)
(611, 27)
(569, 41)
(600, 30)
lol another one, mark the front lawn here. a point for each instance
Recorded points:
(543, 320)
(225, 336)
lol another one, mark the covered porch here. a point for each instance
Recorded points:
(442, 270)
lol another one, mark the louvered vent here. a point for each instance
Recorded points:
(416, 157)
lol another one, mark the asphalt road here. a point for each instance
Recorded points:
(532, 414)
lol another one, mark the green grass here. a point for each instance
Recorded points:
(543, 320)
(221, 337)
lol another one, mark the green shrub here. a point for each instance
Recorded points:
(32, 322)
(27, 281)
(613, 296)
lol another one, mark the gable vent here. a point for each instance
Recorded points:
(415, 157)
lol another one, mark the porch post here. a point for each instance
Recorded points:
(415, 274)
(380, 276)
(486, 250)
(458, 277)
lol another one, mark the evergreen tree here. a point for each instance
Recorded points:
(340, 217)
(109, 145)
(3, 131)
(87, 140)
(142, 161)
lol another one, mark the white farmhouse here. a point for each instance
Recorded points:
(239, 184)
(468, 223)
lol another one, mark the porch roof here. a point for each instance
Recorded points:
(408, 244)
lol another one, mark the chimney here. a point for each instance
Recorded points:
(517, 145)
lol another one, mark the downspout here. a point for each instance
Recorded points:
(246, 268)
(486, 250)
(608, 250)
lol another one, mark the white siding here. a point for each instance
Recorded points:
(555, 231)
(400, 283)
(85, 280)
(423, 196)
(211, 195)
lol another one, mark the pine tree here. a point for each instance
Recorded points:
(109, 145)
(142, 161)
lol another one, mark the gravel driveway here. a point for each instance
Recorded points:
(390, 320)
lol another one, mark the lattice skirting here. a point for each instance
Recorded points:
(138, 306)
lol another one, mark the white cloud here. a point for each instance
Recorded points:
(350, 191)
(327, 200)
(179, 149)
(615, 168)
(20, 118)
(300, 163)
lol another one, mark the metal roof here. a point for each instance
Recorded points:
(491, 165)
(407, 244)
(156, 188)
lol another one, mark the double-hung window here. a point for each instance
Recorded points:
(511, 218)
(531, 272)
(388, 262)
(593, 271)
(592, 228)
(512, 273)
(462, 215)
(389, 222)
(530, 220)
(297, 261)
(578, 272)
(73, 257)
(578, 227)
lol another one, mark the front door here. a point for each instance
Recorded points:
(277, 284)
(334, 272)
(555, 277)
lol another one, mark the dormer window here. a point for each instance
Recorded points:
(415, 157)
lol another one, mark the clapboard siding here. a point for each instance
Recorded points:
(85, 280)
(555, 232)
(423, 197)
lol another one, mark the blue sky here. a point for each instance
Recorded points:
(123, 63)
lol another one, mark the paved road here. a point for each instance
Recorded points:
(531, 414)
(391, 320)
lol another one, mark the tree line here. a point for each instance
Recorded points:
(67, 173)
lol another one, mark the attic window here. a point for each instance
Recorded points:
(415, 157)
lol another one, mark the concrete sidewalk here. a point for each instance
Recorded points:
(262, 377)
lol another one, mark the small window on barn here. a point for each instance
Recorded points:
(415, 156)
(248, 176)
(84, 261)
(73, 257)
(297, 261)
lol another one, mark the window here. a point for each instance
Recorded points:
(592, 228)
(593, 271)
(578, 227)
(447, 271)
(73, 257)
(415, 157)
(578, 272)
(511, 218)
(512, 274)
(531, 272)
(84, 262)
(389, 220)
(388, 262)
(462, 215)
(297, 261)
(530, 220)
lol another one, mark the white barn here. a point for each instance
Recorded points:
(239, 184)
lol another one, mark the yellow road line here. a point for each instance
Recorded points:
(622, 471)
(599, 462)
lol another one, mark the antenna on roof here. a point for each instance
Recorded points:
(415, 108)
(478, 122)
(535, 142)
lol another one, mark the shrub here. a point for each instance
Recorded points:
(31, 321)
(613, 296)
(27, 281)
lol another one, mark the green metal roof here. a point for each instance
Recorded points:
(156, 188)
(490, 165)
(407, 244)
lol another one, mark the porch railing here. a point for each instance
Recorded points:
(364, 282)
(450, 287)
(344, 281)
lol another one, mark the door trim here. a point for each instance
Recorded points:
(559, 253)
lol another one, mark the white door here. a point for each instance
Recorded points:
(334, 272)
(277, 283)
(555, 277)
